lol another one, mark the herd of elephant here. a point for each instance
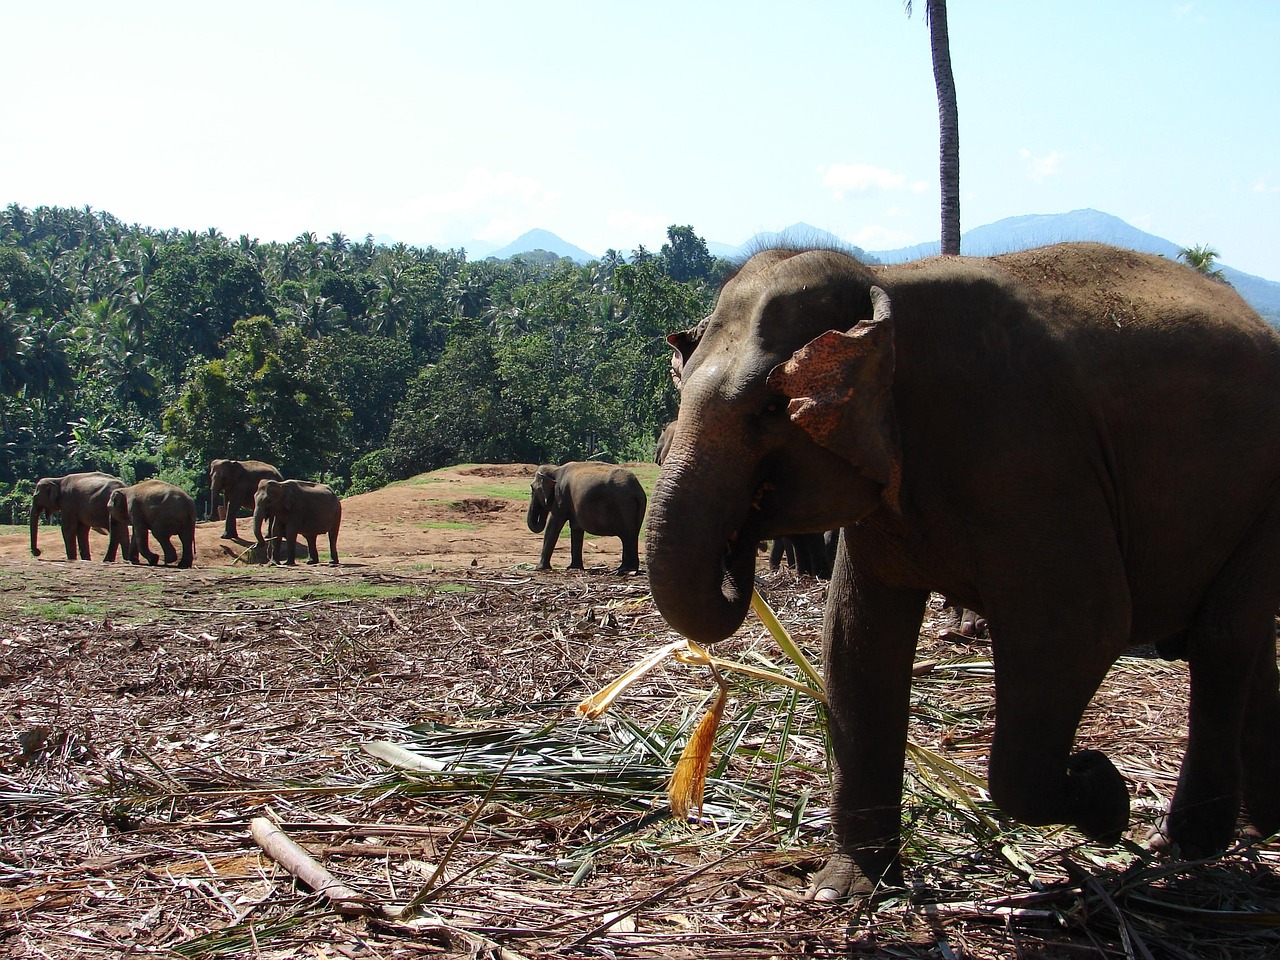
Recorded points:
(1077, 443)
(131, 514)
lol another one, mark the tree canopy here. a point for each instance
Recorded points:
(146, 352)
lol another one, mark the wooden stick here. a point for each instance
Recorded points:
(277, 845)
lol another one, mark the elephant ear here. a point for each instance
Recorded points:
(839, 387)
(682, 345)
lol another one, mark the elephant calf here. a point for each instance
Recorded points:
(596, 498)
(297, 507)
(81, 498)
(152, 507)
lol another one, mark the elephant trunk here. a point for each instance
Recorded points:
(260, 513)
(701, 560)
(537, 515)
(215, 488)
(35, 525)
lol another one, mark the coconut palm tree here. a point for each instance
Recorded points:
(935, 15)
(1202, 258)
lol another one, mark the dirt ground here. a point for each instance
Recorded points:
(407, 718)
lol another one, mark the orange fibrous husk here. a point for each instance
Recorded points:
(689, 779)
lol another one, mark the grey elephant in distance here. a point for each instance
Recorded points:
(597, 498)
(296, 508)
(152, 508)
(81, 499)
(238, 481)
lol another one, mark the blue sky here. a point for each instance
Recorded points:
(444, 122)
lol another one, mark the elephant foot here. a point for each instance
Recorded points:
(576, 566)
(313, 561)
(1195, 835)
(1100, 796)
(333, 563)
(227, 536)
(854, 875)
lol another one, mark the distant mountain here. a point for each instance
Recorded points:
(1003, 236)
(1037, 230)
(542, 240)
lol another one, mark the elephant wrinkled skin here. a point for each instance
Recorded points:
(238, 480)
(1076, 428)
(596, 498)
(297, 507)
(155, 508)
(81, 499)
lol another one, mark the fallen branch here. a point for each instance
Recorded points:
(300, 864)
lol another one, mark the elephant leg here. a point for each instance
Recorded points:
(630, 554)
(333, 548)
(229, 520)
(188, 550)
(1260, 745)
(82, 540)
(291, 548)
(869, 636)
(70, 533)
(576, 536)
(142, 545)
(1046, 674)
(1233, 722)
(550, 536)
(313, 553)
(166, 545)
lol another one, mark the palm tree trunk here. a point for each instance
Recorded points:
(948, 125)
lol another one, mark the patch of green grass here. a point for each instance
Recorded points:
(294, 592)
(13, 528)
(67, 610)
(446, 525)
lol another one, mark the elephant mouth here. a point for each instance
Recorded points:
(738, 565)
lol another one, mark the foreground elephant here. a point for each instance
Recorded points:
(81, 498)
(1077, 442)
(238, 480)
(595, 498)
(152, 507)
(297, 507)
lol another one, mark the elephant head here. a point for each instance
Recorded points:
(542, 495)
(45, 501)
(222, 474)
(786, 426)
(273, 499)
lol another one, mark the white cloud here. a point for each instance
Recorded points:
(842, 178)
(1040, 168)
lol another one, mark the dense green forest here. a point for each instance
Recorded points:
(145, 352)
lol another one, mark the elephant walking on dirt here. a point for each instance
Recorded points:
(152, 507)
(1077, 443)
(81, 499)
(296, 507)
(596, 498)
(238, 481)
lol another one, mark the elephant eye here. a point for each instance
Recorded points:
(776, 405)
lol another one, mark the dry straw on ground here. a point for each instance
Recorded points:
(416, 739)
